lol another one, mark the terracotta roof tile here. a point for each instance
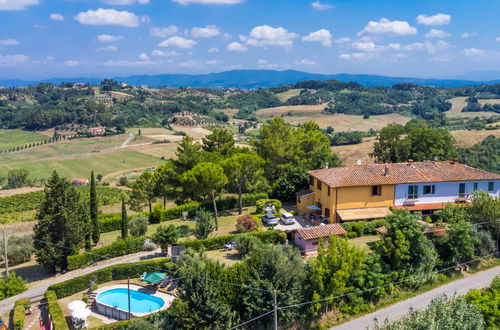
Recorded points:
(397, 173)
(321, 231)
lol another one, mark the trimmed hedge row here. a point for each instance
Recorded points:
(119, 248)
(113, 221)
(55, 311)
(111, 273)
(19, 313)
(262, 203)
(217, 242)
(363, 227)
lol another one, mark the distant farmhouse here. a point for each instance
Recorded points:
(100, 130)
(366, 192)
(80, 182)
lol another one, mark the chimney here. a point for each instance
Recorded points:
(386, 170)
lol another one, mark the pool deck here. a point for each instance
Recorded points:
(167, 298)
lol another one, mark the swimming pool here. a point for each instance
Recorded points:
(114, 303)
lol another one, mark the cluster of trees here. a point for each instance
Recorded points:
(484, 155)
(16, 178)
(396, 143)
(351, 137)
(341, 279)
(473, 105)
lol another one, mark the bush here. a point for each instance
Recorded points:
(138, 226)
(123, 181)
(215, 243)
(119, 248)
(111, 273)
(246, 224)
(11, 286)
(55, 311)
(20, 249)
(352, 234)
(156, 214)
(364, 227)
(19, 313)
(148, 245)
(246, 244)
(176, 211)
(261, 204)
(113, 222)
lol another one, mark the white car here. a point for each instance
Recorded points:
(287, 219)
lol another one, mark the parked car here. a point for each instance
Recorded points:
(270, 220)
(287, 219)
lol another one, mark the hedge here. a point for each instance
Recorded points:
(231, 202)
(176, 211)
(113, 222)
(262, 203)
(119, 248)
(363, 227)
(19, 313)
(55, 311)
(111, 273)
(217, 242)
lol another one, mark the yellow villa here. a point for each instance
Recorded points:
(365, 192)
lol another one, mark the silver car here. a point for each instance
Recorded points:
(287, 219)
(270, 220)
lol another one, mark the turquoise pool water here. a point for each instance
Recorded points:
(139, 302)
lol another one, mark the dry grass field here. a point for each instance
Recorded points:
(166, 150)
(489, 101)
(196, 132)
(284, 96)
(349, 154)
(229, 112)
(469, 138)
(458, 103)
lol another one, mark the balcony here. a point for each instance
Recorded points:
(463, 197)
(410, 199)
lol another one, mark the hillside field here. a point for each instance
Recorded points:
(16, 137)
(284, 96)
(458, 103)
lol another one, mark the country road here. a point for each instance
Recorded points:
(396, 311)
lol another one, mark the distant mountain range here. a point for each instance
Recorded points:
(250, 79)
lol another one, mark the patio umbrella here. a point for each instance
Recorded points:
(154, 277)
(81, 313)
(77, 304)
(313, 207)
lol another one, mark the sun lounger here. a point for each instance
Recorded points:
(143, 276)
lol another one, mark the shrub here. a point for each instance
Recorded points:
(111, 273)
(119, 248)
(261, 204)
(352, 234)
(205, 224)
(156, 214)
(246, 224)
(364, 227)
(11, 286)
(217, 242)
(19, 313)
(55, 311)
(109, 222)
(148, 245)
(165, 236)
(176, 211)
(138, 226)
(20, 249)
(246, 244)
(123, 181)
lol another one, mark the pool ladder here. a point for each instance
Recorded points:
(91, 300)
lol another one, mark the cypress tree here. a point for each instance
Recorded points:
(94, 211)
(124, 220)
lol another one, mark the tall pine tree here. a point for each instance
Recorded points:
(94, 211)
(61, 219)
(124, 220)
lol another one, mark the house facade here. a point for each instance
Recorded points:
(365, 192)
(308, 239)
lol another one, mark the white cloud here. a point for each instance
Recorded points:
(208, 31)
(108, 38)
(227, 36)
(321, 6)
(188, 64)
(213, 50)
(264, 64)
(212, 62)
(109, 48)
(16, 5)
(71, 63)
(497, 39)
(435, 33)
(468, 34)
(163, 54)
(356, 56)
(481, 54)
(125, 63)
(12, 60)
(386, 26)
(56, 17)
(367, 46)
(442, 58)
(178, 42)
(399, 56)
(437, 46)
(342, 40)
(208, 2)
(124, 2)
(8, 42)
(306, 61)
(107, 17)
(144, 57)
(438, 19)
(409, 47)
(323, 36)
(265, 35)
(163, 32)
(236, 47)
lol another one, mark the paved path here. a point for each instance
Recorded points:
(39, 288)
(396, 311)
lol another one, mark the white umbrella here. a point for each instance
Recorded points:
(81, 314)
(77, 304)
(313, 207)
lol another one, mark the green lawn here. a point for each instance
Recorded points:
(364, 242)
(284, 96)
(15, 137)
(104, 164)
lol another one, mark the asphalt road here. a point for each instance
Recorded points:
(396, 311)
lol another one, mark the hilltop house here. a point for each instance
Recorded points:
(366, 192)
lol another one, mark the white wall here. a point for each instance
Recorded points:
(444, 191)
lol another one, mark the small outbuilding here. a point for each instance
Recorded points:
(307, 239)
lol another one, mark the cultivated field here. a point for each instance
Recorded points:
(229, 112)
(10, 138)
(469, 138)
(489, 101)
(284, 96)
(156, 134)
(166, 150)
(195, 132)
(349, 154)
(458, 103)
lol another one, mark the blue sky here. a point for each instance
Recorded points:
(104, 38)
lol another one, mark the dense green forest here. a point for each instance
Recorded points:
(117, 105)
